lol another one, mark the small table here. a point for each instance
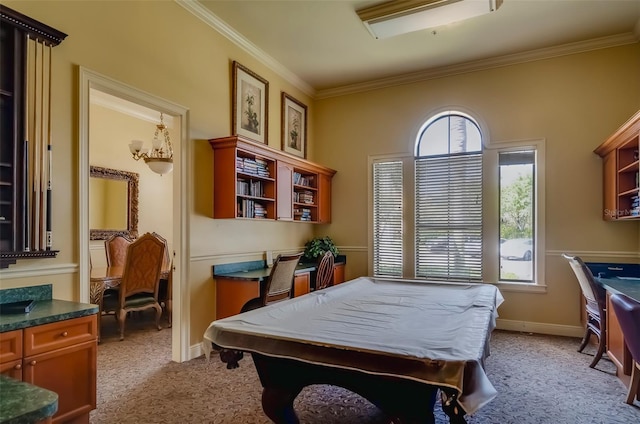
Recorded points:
(396, 343)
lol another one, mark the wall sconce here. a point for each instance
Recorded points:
(160, 157)
(400, 17)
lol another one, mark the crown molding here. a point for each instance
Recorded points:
(484, 64)
(204, 14)
(223, 28)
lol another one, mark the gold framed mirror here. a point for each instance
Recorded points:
(113, 203)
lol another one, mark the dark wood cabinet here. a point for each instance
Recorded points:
(17, 32)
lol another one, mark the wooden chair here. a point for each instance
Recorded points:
(140, 280)
(279, 285)
(116, 249)
(627, 311)
(595, 306)
(165, 292)
(324, 274)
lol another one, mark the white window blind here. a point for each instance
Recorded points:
(449, 217)
(387, 219)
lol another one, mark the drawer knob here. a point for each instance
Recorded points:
(32, 363)
(18, 366)
(65, 334)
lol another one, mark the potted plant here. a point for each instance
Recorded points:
(316, 247)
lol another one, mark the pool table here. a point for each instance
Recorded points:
(394, 342)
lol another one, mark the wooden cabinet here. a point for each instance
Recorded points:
(18, 132)
(244, 178)
(338, 273)
(621, 170)
(301, 284)
(617, 350)
(286, 187)
(61, 357)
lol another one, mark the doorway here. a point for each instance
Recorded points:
(95, 90)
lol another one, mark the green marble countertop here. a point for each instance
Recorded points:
(46, 311)
(24, 403)
(262, 273)
(627, 286)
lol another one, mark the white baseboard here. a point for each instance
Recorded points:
(540, 328)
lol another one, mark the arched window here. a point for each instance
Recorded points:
(448, 198)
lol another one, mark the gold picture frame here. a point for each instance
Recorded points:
(294, 126)
(250, 115)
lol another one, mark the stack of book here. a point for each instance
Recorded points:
(249, 188)
(256, 166)
(635, 205)
(303, 180)
(303, 197)
(302, 214)
(250, 209)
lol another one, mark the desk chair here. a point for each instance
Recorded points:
(324, 274)
(279, 285)
(595, 306)
(138, 289)
(627, 311)
(116, 249)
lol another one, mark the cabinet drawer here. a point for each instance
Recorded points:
(47, 337)
(10, 346)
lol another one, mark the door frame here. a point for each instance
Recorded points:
(181, 312)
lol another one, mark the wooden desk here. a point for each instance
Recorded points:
(235, 289)
(373, 337)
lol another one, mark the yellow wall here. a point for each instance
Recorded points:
(158, 47)
(573, 102)
(110, 133)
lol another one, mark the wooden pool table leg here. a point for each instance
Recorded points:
(451, 407)
(277, 403)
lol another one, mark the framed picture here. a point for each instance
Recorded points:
(294, 126)
(250, 103)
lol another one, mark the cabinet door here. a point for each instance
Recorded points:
(12, 369)
(10, 346)
(610, 188)
(301, 284)
(71, 373)
(284, 199)
(324, 202)
(617, 350)
(338, 274)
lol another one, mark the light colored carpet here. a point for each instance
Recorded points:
(540, 379)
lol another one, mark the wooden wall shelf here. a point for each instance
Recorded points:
(254, 181)
(621, 174)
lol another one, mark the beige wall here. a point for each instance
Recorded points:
(573, 102)
(158, 47)
(110, 133)
(137, 43)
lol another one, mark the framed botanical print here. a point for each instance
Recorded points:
(250, 104)
(294, 126)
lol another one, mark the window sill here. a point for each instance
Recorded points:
(508, 286)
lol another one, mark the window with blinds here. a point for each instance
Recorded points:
(448, 232)
(448, 198)
(387, 219)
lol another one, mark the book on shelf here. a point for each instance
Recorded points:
(303, 180)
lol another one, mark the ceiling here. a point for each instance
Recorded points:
(325, 46)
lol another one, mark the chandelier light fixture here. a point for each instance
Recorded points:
(160, 157)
